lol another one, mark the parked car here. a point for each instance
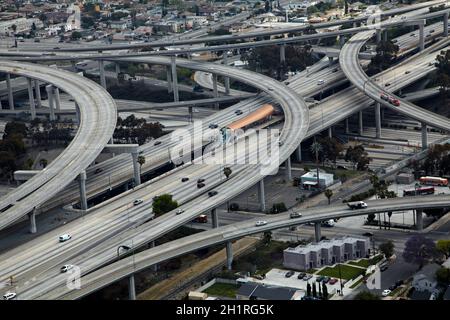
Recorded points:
(184, 179)
(289, 274)
(307, 277)
(320, 82)
(64, 237)
(212, 193)
(260, 223)
(383, 267)
(320, 278)
(137, 202)
(386, 292)
(9, 296)
(326, 279)
(301, 275)
(332, 281)
(66, 268)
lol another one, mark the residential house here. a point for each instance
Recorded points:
(425, 279)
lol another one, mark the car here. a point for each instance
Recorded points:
(137, 202)
(432, 30)
(157, 143)
(260, 223)
(412, 35)
(238, 112)
(407, 72)
(307, 277)
(56, 48)
(320, 82)
(213, 126)
(383, 267)
(294, 215)
(66, 268)
(37, 40)
(9, 296)
(289, 274)
(179, 211)
(368, 234)
(212, 193)
(271, 88)
(386, 292)
(64, 237)
(387, 84)
(98, 170)
(200, 180)
(301, 275)
(184, 179)
(332, 281)
(210, 68)
(280, 143)
(394, 41)
(200, 185)
(431, 64)
(287, 82)
(326, 279)
(428, 35)
(320, 278)
(384, 97)
(394, 101)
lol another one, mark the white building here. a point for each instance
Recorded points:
(309, 180)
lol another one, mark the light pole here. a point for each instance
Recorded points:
(340, 280)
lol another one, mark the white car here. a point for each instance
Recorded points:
(137, 202)
(66, 268)
(386, 292)
(320, 82)
(64, 237)
(9, 296)
(179, 211)
(260, 223)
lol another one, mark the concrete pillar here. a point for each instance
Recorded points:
(446, 24)
(191, 115)
(155, 266)
(49, 89)
(10, 92)
(419, 220)
(261, 196)
(287, 163)
(360, 120)
(214, 218)
(330, 132)
(31, 98)
(355, 25)
(424, 136)
(32, 217)
(283, 53)
(347, 128)
(385, 35)
(378, 119)
(330, 61)
(117, 70)
(317, 231)
(341, 41)
(421, 37)
(378, 36)
(226, 80)
(37, 90)
(77, 113)
(1, 105)
(215, 90)
(83, 197)
(298, 153)
(169, 80)
(137, 173)
(229, 255)
(101, 67)
(57, 99)
(173, 65)
(131, 288)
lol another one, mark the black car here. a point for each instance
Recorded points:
(56, 48)
(213, 126)
(200, 185)
(238, 112)
(368, 234)
(212, 193)
(157, 143)
(289, 274)
(184, 179)
(200, 180)
(384, 267)
(98, 170)
(301, 275)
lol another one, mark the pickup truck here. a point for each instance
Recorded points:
(357, 205)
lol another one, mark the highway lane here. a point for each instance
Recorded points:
(98, 117)
(139, 261)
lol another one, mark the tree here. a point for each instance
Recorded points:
(443, 276)
(366, 295)
(314, 290)
(75, 35)
(267, 6)
(386, 54)
(227, 172)
(141, 160)
(267, 237)
(43, 162)
(14, 28)
(443, 71)
(162, 204)
(331, 149)
(387, 248)
(443, 246)
(419, 250)
(278, 207)
(316, 147)
(324, 291)
(308, 290)
(328, 194)
(358, 157)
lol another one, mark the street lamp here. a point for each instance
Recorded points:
(340, 280)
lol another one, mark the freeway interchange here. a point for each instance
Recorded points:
(37, 267)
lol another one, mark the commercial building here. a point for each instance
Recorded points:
(309, 180)
(325, 252)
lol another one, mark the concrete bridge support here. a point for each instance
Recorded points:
(446, 24)
(330, 132)
(229, 255)
(32, 217)
(424, 136)
(341, 41)
(283, 53)
(298, 153)
(77, 113)
(117, 65)
(31, 98)
(101, 67)
(317, 231)
(173, 66)
(347, 128)
(155, 266)
(131, 288)
(378, 119)
(49, 89)
(421, 37)
(385, 35)
(378, 36)
(288, 173)
(57, 98)
(215, 90)
(419, 220)
(226, 80)
(37, 90)
(136, 168)
(191, 115)
(330, 61)
(360, 120)
(261, 196)
(214, 218)
(10, 92)
(83, 197)
(169, 80)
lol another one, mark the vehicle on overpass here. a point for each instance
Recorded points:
(357, 205)
(418, 191)
(201, 219)
(433, 181)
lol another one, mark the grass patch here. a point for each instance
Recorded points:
(348, 272)
(222, 290)
(365, 263)
(353, 286)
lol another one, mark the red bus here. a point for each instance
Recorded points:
(201, 219)
(418, 191)
(433, 181)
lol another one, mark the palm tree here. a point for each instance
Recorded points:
(141, 161)
(43, 162)
(328, 194)
(316, 147)
(227, 172)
